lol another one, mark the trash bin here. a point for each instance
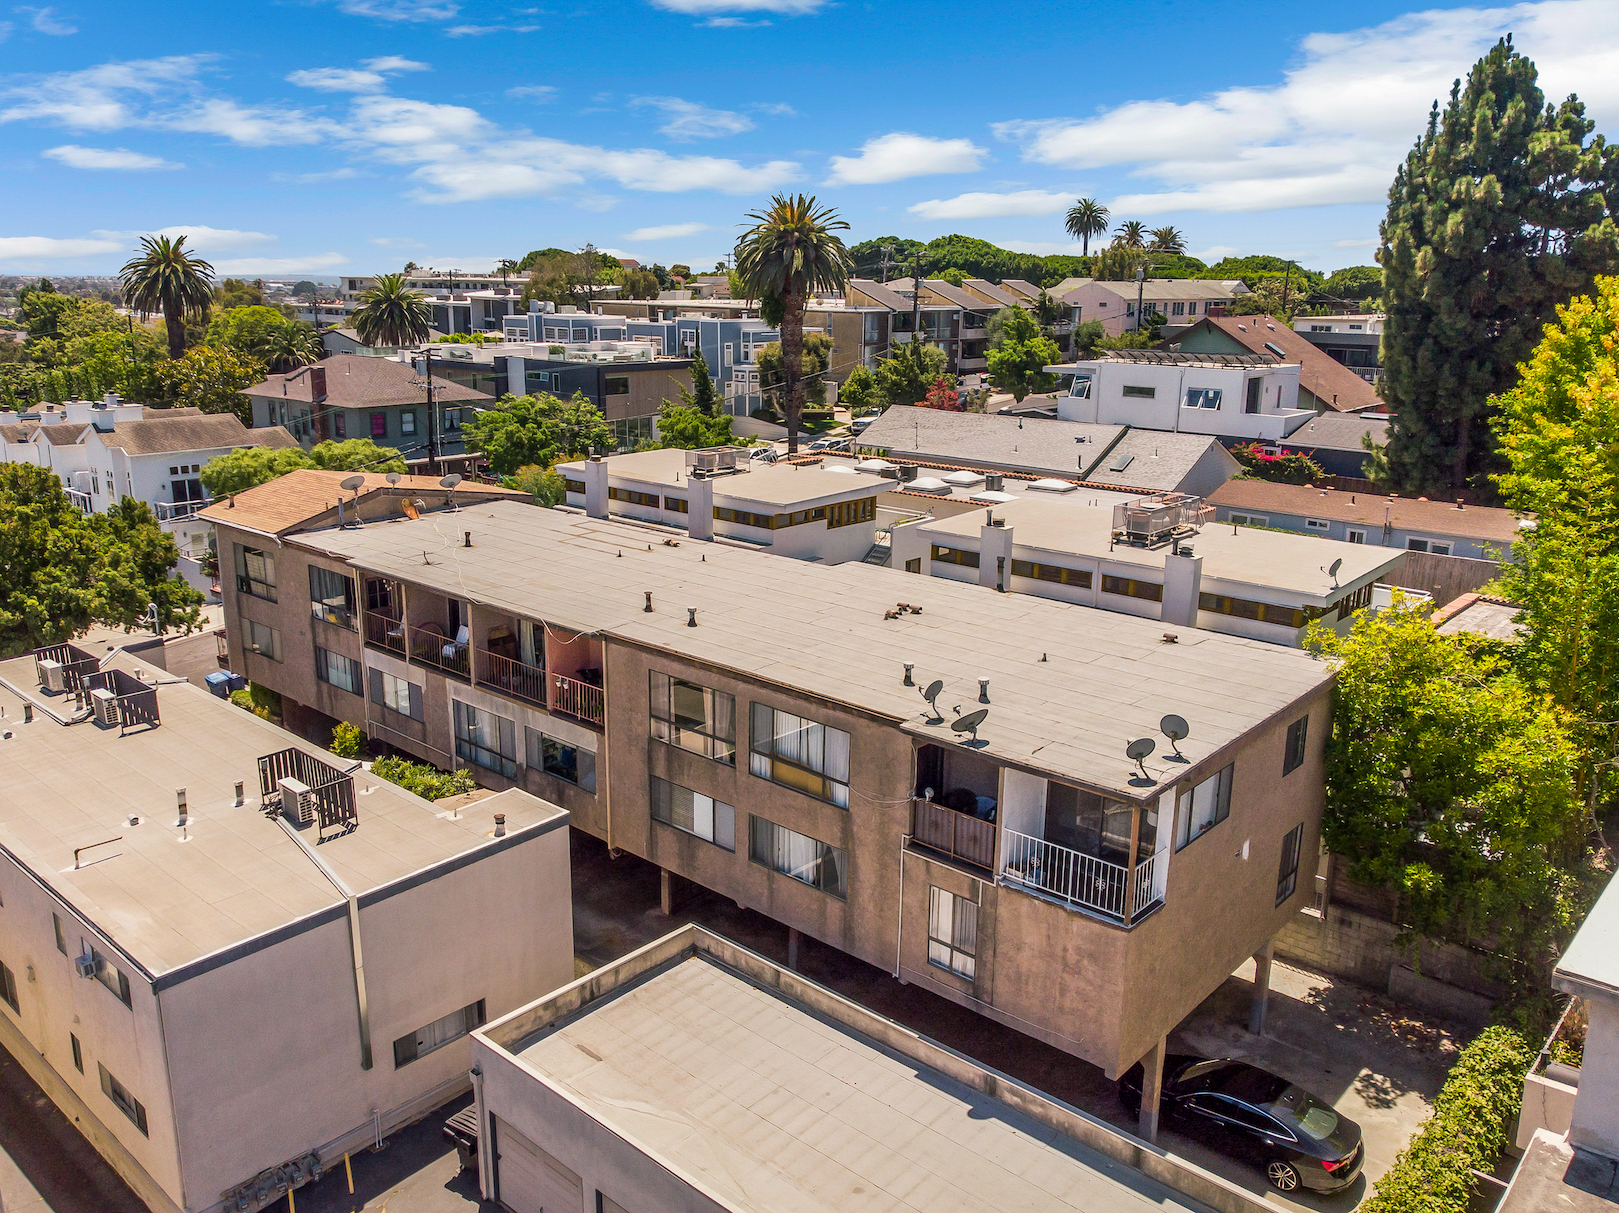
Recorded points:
(462, 1131)
(223, 682)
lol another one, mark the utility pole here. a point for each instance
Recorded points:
(432, 416)
(916, 296)
(887, 263)
(1285, 277)
(1141, 284)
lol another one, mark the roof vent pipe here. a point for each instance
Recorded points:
(500, 825)
(983, 688)
(691, 617)
(909, 666)
(180, 805)
(466, 540)
(648, 605)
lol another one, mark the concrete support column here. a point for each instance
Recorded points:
(792, 948)
(596, 487)
(1152, 1090)
(666, 892)
(995, 555)
(699, 507)
(1261, 1001)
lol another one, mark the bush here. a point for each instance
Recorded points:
(347, 740)
(244, 700)
(258, 699)
(1467, 1130)
(1295, 468)
(426, 781)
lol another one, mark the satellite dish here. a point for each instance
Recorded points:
(931, 692)
(393, 477)
(353, 483)
(1337, 564)
(1138, 750)
(970, 722)
(450, 481)
(1176, 729)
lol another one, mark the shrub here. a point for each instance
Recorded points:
(347, 740)
(426, 781)
(1295, 468)
(244, 700)
(1467, 1130)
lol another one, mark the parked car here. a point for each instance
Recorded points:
(829, 444)
(762, 454)
(861, 424)
(1255, 1116)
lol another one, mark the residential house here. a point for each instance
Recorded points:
(1114, 456)
(346, 340)
(1354, 340)
(188, 895)
(1180, 301)
(1325, 384)
(1337, 441)
(646, 687)
(1156, 557)
(627, 380)
(975, 313)
(942, 317)
(433, 282)
(350, 396)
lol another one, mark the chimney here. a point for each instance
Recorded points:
(596, 487)
(995, 554)
(317, 384)
(699, 507)
(1183, 577)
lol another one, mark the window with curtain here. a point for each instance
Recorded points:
(1287, 875)
(1203, 807)
(263, 640)
(331, 597)
(799, 753)
(396, 694)
(255, 573)
(562, 758)
(127, 1103)
(483, 738)
(711, 820)
(952, 932)
(799, 856)
(693, 717)
(339, 671)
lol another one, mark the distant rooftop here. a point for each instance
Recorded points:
(1403, 513)
(778, 484)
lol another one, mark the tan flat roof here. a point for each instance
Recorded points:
(773, 484)
(767, 1106)
(1490, 523)
(167, 903)
(1071, 526)
(1070, 685)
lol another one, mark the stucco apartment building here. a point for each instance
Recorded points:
(1180, 301)
(927, 776)
(230, 958)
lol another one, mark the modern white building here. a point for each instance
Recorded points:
(231, 958)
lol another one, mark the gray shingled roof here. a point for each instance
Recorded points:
(1340, 432)
(160, 435)
(354, 381)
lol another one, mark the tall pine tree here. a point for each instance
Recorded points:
(1498, 215)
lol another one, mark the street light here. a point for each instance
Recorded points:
(1141, 283)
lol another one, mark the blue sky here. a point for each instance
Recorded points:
(329, 136)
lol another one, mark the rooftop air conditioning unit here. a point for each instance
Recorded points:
(993, 482)
(105, 705)
(85, 965)
(297, 801)
(52, 676)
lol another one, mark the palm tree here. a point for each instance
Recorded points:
(1086, 218)
(291, 346)
(165, 278)
(1131, 234)
(391, 313)
(1167, 240)
(789, 253)
(503, 267)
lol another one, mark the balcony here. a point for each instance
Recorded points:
(430, 646)
(953, 834)
(385, 633)
(511, 677)
(80, 500)
(176, 511)
(581, 700)
(1079, 880)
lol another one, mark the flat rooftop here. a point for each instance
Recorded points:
(1070, 525)
(1488, 523)
(1590, 965)
(168, 903)
(1070, 685)
(772, 484)
(766, 1105)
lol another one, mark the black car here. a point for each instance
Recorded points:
(1251, 1114)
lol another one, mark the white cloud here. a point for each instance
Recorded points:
(338, 80)
(784, 8)
(44, 21)
(1368, 243)
(472, 31)
(537, 92)
(396, 63)
(281, 265)
(336, 174)
(1041, 248)
(1217, 252)
(399, 10)
(74, 156)
(733, 23)
(201, 238)
(899, 155)
(993, 206)
(1337, 124)
(395, 242)
(5, 30)
(690, 120)
(33, 249)
(779, 108)
(666, 231)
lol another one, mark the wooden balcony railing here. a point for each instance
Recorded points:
(959, 835)
(500, 673)
(578, 699)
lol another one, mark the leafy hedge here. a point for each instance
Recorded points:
(424, 780)
(1467, 1130)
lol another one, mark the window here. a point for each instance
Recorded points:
(616, 385)
(728, 348)
(1178, 309)
(339, 671)
(914, 565)
(1052, 572)
(1082, 387)
(127, 1103)
(803, 858)
(1203, 397)
(1355, 536)
(1130, 588)
(766, 522)
(61, 939)
(1136, 392)
(263, 640)
(952, 932)
(255, 573)
(439, 1033)
(78, 1052)
(1250, 520)
(379, 425)
(1317, 524)
(1287, 874)
(331, 597)
(1129, 309)
(711, 820)
(452, 419)
(562, 759)
(407, 422)
(1350, 603)
(848, 513)
(1321, 328)
(955, 556)
(1201, 808)
(8, 989)
(1261, 612)
(632, 497)
(1297, 739)
(340, 425)
(573, 486)
(1355, 328)
(1439, 549)
(1255, 387)
(483, 738)
(109, 975)
(799, 753)
(396, 694)
(676, 505)
(693, 717)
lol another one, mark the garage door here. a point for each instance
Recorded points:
(528, 1180)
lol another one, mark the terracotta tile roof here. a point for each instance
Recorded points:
(162, 434)
(1333, 383)
(308, 494)
(354, 381)
(1405, 513)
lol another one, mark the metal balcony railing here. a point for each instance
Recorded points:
(385, 633)
(578, 699)
(81, 500)
(1078, 879)
(958, 835)
(431, 646)
(174, 511)
(500, 673)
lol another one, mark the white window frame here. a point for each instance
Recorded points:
(1440, 547)
(952, 932)
(1317, 524)
(1356, 536)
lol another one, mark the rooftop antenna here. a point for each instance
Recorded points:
(448, 483)
(1177, 730)
(1331, 570)
(1137, 752)
(931, 692)
(969, 723)
(352, 484)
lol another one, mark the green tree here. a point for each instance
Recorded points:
(859, 391)
(1117, 263)
(1358, 284)
(816, 358)
(234, 293)
(248, 329)
(1496, 216)
(1132, 233)
(1086, 218)
(291, 346)
(1016, 364)
(165, 278)
(953, 276)
(789, 253)
(522, 430)
(242, 469)
(392, 313)
(905, 376)
(1088, 335)
(304, 289)
(355, 455)
(1166, 240)
(41, 311)
(547, 485)
(702, 396)
(682, 426)
(867, 256)
(210, 378)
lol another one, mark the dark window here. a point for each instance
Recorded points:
(848, 513)
(8, 989)
(1262, 612)
(1255, 386)
(255, 573)
(765, 522)
(379, 425)
(914, 566)
(955, 556)
(78, 1053)
(340, 425)
(694, 812)
(110, 976)
(339, 671)
(1297, 733)
(634, 497)
(61, 939)
(331, 597)
(798, 856)
(574, 486)
(562, 759)
(1129, 588)
(676, 504)
(486, 739)
(1202, 807)
(439, 1033)
(1287, 875)
(1134, 392)
(1053, 573)
(616, 385)
(127, 1103)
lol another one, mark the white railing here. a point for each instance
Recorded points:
(81, 499)
(173, 511)
(1076, 878)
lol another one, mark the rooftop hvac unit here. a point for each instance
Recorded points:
(297, 801)
(105, 704)
(52, 676)
(994, 482)
(85, 965)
